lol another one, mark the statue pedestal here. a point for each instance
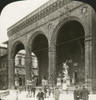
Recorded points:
(68, 81)
(64, 86)
(58, 81)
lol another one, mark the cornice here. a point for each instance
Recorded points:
(38, 14)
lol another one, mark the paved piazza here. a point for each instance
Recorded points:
(22, 96)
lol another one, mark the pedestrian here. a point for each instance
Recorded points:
(45, 92)
(56, 94)
(20, 89)
(84, 93)
(48, 91)
(29, 93)
(33, 90)
(76, 93)
(40, 95)
(17, 98)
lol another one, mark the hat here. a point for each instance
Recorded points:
(76, 86)
(56, 87)
(83, 86)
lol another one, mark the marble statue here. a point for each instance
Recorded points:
(66, 78)
(66, 68)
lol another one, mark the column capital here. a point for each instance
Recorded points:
(52, 49)
(88, 38)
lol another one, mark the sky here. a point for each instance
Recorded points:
(15, 11)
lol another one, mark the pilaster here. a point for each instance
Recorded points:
(88, 62)
(11, 73)
(94, 49)
(52, 65)
(28, 63)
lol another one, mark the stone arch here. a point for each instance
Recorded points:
(17, 46)
(64, 52)
(38, 44)
(13, 50)
(60, 24)
(33, 36)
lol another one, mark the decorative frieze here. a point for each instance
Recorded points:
(41, 14)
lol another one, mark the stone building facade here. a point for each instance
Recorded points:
(59, 30)
(3, 68)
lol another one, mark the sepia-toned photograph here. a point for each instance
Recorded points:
(48, 50)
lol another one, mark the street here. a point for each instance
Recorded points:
(22, 96)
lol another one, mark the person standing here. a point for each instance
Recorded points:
(76, 93)
(48, 91)
(56, 94)
(45, 91)
(33, 89)
(84, 93)
(40, 95)
(76, 77)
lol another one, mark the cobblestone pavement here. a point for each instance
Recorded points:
(22, 96)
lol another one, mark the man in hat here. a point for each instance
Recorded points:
(76, 93)
(40, 95)
(84, 93)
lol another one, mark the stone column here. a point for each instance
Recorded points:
(94, 64)
(93, 26)
(52, 65)
(88, 61)
(11, 72)
(28, 64)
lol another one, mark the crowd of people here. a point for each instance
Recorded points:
(44, 92)
(79, 93)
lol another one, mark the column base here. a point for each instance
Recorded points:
(94, 85)
(88, 83)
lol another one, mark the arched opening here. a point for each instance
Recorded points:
(40, 48)
(20, 68)
(70, 51)
(19, 64)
